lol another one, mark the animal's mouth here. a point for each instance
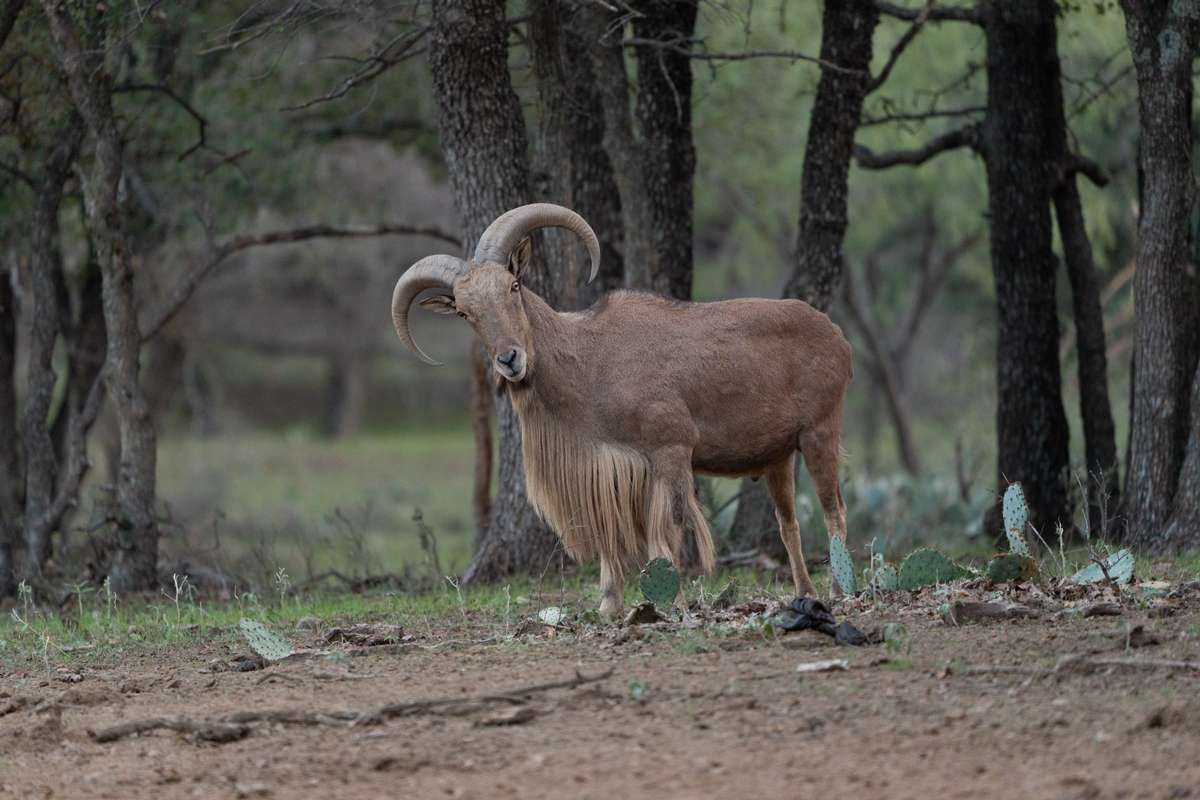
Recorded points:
(511, 364)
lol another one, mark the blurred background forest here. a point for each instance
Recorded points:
(292, 430)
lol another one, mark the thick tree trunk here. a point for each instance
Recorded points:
(847, 32)
(346, 395)
(483, 138)
(1163, 40)
(624, 150)
(1032, 433)
(10, 444)
(573, 168)
(135, 560)
(668, 158)
(1099, 434)
(41, 466)
(481, 427)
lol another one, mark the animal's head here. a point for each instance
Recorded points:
(487, 290)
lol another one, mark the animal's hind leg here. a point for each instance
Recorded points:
(822, 455)
(671, 500)
(781, 481)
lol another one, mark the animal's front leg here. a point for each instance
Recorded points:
(670, 510)
(612, 589)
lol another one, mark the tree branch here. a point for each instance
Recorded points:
(921, 116)
(1077, 163)
(187, 285)
(967, 136)
(201, 122)
(938, 14)
(901, 45)
(678, 46)
(396, 51)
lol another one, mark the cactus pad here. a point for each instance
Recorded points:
(1016, 517)
(841, 565)
(263, 642)
(1118, 564)
(885, 578)
(660, 582)
(1011, 568)
(925, 567)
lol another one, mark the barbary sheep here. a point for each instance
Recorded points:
(618, 405)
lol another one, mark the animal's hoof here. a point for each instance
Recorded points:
(611, 610)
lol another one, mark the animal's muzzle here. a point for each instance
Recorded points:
(510, 364)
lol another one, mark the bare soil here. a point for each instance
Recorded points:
(685, 713)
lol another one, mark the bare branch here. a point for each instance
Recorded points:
(967, 136)
(680, 46)
(399, 49)
(921, 116)
(938, 14)
(1085, 166)
(187, 285)
(901, 45)
(201, 122)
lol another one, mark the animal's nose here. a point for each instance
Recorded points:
(508, 358)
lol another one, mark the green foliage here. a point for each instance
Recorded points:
(660, 582)
(881, 576)
(1016, 517)
(842, 565)
(1012, 568)
(263, 641)
(925, 567)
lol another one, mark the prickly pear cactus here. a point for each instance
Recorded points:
(841, 565)
(925, 567)
(886, 578)
(1119, 566)
(660, 582)
(1012, 568)
(263, 642)
(1016, 517)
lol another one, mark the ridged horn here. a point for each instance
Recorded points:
(431, 272)
(512, 226)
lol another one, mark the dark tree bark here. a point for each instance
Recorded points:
(347, 394)
(668, 158)
(1160, 491)
(1031, 425)
(602, 32)
(41, 465)
(847, 33)
(481, 428)
(135, 559)
(573, 167)
(1099, 434)
(484, 142)
(10, 446)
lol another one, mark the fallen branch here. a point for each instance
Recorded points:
(236, 726)
(1076, 663)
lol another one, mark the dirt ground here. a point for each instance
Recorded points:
(683, 714)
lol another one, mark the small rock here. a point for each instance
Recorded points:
(510, 716)
(252, 789)
(831, 665)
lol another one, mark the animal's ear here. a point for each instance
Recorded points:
(518, 260)
(440, 304)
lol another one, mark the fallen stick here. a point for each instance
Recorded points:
(236, 726)
(1077, 663)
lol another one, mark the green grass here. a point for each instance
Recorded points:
(307, 501)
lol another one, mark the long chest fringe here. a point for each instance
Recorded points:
(595, 496)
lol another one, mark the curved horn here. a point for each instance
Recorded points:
(512, 226)
(429, 273)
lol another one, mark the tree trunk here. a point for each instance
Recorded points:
(135, 560)
(10, 444)
(668, 159)
(483, 138)
(1099, 434)
(347, 394)
(481, 426)
(621, 145)
(847, 31)
(41, 466)
(1163, 40)
(1032, 433)
(573, 168)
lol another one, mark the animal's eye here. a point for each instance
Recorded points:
(516, 286)
(461, 314)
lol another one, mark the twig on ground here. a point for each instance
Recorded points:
(1077, 663)
(235, 726)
